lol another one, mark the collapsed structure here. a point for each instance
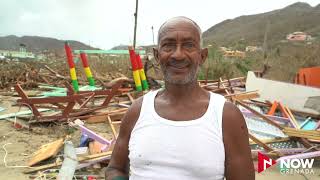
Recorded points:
(282, 118)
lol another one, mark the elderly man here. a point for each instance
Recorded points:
(181, 132)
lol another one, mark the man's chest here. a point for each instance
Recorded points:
(190, 150)
(181, 111)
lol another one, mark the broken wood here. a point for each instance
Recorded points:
(259, 114)
(273, 140)
(57, 164)
(103, 116)
(243, 95)
(95, 148)
(292, 118)
(260, 143)
(309, 134)
(114, 132)
(46, 151)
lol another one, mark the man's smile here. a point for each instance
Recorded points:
(178, 69)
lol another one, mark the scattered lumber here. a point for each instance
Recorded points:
(308, 134)
(46, 151)
(80, 160)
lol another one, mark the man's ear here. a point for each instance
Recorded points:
(156, 54)
(204, 55)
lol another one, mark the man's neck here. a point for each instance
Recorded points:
(182, 92)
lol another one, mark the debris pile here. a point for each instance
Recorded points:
(282, 118)
(277, 114)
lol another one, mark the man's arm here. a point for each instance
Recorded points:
(238, 161)
(118, 168)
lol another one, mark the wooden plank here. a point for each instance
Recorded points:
(97, 119)
(68, 109)
(223, 86)
(260, 143)
(117, 116)
(95, 148)
(259, 115)
(50, 100)
(309, 134)
(5, 116)
(57, 164)
(292, 118)
(273, 108)
(46, 151)
(114, 132)
(103, 117)
(24, 97)
(130, 97)
(284, 111)
(243, 95)
(272, 140)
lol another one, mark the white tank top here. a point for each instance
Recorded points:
(162, 149)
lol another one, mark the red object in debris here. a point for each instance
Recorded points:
(91, 178)
(17, 125)
(309, 77)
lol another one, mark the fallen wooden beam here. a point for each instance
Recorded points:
(80, 159)
(309, 134)
(243, 95)
(46, 151)
(302, 140)
(263, 145)
(268, 120)
(273, 140)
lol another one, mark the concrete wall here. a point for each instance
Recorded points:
(292, 95)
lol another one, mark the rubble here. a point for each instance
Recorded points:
(282, 124)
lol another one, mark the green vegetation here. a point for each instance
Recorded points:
(284, 60)
(218, 66)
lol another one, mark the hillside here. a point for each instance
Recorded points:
(251, 29)
(37, 44)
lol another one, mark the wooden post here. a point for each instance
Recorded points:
(135, 25)
(152, 35)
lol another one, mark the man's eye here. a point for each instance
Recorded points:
(168, 46)
(188, 45)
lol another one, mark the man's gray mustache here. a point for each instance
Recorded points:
(179, 63)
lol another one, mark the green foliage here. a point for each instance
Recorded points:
(215, 66)
(243, 65)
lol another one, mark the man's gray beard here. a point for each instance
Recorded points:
(189, 78)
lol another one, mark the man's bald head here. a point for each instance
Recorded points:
(178, 21)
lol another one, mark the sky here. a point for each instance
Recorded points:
(108, 23)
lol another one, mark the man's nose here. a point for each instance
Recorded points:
(178, 54)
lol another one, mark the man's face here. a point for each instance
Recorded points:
(179, 52)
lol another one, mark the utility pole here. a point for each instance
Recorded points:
(265, 43)
(152, 35)
(135, 25)
(265, 49)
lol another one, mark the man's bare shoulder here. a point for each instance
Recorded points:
(234, 127)
(136, 106)
(238, 163)
(233, 118)
(132, 114)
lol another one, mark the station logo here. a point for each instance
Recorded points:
(286, 166)
(264, 162)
